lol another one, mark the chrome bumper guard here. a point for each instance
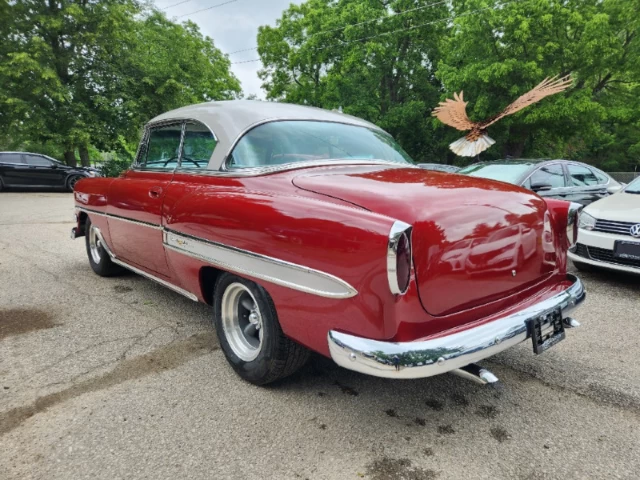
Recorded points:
(426, 358)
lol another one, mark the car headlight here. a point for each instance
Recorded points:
(91, 173)
(586, 221)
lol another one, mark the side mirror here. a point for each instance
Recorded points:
(54, 166)
(540, 187)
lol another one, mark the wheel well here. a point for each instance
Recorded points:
(208, 277)
(82, 222)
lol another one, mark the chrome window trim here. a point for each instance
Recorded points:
(179, 168)
(398, 229)
(230, 258)
(162, 282)
(260, 266)
(257, 171)
(164, 123)
(254, 171)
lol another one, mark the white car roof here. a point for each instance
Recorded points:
(229, 120)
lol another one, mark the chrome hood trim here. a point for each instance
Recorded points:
(449, 352)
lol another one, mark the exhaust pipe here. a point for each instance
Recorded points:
(476, 373)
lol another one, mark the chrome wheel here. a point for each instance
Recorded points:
(95, 245)
(242, 321)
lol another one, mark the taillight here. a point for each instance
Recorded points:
(399, 258)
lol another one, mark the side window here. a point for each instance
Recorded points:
(602, 178)
(198, 146)
(11, 158)
(34, 160)
(552, 175)
(580, 176)
(162, 149)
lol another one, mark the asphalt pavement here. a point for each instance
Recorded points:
(120, 378)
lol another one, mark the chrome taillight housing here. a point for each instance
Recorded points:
(573, 222)
(399, 258)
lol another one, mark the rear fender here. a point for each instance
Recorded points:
(345, 242)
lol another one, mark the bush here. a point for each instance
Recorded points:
(115, 166)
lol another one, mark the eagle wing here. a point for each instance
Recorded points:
(548, 86)
(454, 113)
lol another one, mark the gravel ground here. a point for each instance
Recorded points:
(121, 378)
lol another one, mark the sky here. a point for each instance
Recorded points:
(232, 27)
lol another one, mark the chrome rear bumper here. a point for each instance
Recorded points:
(450, 352)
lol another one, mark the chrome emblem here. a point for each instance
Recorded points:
(513, 273)
(635, 230)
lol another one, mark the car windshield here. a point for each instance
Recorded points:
(633, 187)
(510, 173)
(284, 142)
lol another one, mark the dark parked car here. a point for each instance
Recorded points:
(439, 167)
(561, 179)
(33, 170)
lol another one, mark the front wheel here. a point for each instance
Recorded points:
(250, 336)
(99, 258)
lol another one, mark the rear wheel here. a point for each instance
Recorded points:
(71, 182)
(250, 336)
(1, 185)
(99, 259)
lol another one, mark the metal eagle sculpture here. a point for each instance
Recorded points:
(454, 114)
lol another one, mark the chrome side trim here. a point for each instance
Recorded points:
(256, 171)
(232, 259)
(443, 354)
(398, 229)
(280, 272)
(162, 282)
(122, 219)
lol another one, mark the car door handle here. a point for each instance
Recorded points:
(155, 192)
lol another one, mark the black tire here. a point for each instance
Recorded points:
(72, 180)
(1, 185)
(277, 356)
(102, 265)
(583, 267)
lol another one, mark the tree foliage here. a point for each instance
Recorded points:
(78, 74)
(391, 61)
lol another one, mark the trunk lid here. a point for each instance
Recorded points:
(474, 240)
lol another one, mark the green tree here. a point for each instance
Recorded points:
(343, 54)
(499, 54)
(391, 61)
(172, 65)
(82, 73)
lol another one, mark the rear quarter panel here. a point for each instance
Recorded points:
(343, 241)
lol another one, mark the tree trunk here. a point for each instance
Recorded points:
(84, 156)
(70, 158)
(514, 148)
(516, 142)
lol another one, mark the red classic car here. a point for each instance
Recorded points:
(312, 230)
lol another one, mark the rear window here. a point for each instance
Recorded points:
(510, 173)
(285, 142)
